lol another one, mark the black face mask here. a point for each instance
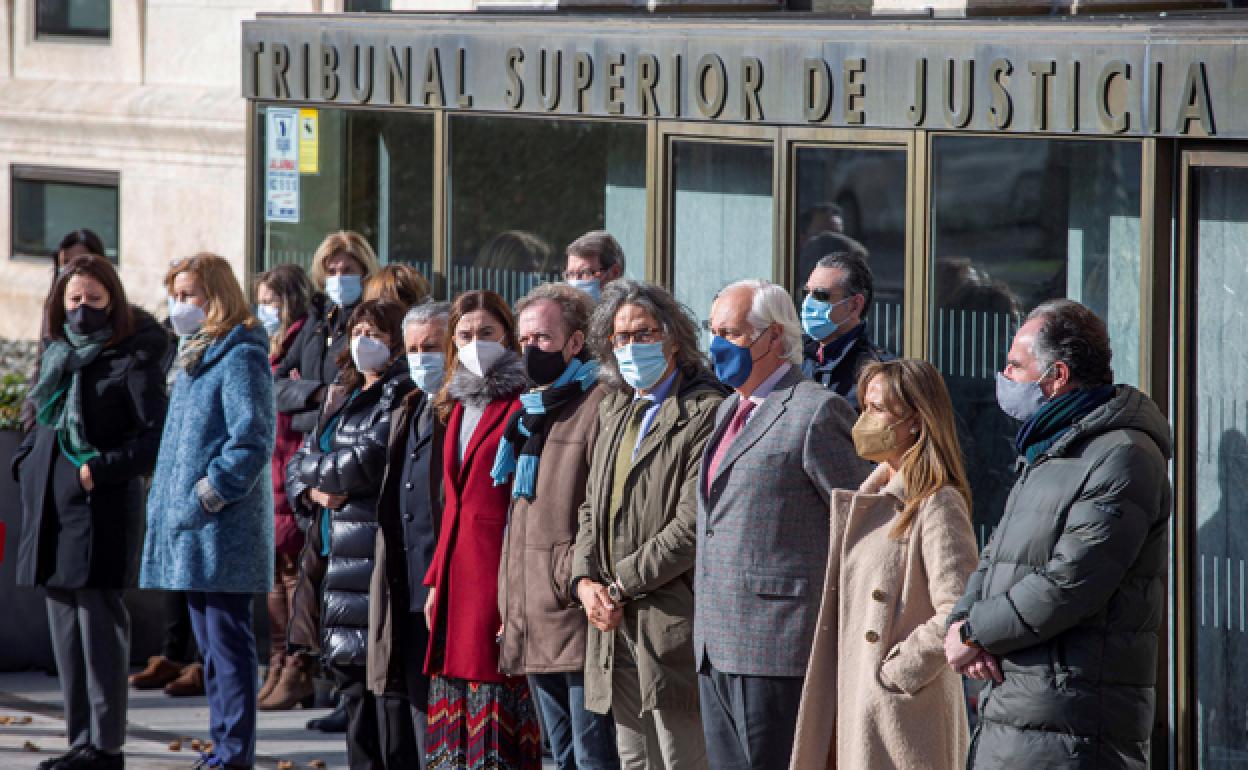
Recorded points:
(543, 366)
(85, 319)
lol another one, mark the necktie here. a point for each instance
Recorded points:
(735, 426)
(623, 462)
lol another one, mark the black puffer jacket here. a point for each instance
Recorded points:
(314, 355)
(1070, 594)
(353, 467)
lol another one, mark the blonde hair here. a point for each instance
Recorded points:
(914, 388)
(226, 305)
(350, 243)
(397, 283)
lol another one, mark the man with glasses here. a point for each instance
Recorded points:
(594, 260)
(781, 446)
(836, 345)
(634, 552)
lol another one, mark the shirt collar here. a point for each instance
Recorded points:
(660, 391)
(835, 350)
(764, 389)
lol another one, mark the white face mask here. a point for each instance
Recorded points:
(369, 355)
(426, 370)
(185, 318)
(479, 356)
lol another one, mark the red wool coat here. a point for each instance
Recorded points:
(464, 570)
(287, 536)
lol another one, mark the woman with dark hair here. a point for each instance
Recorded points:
(209, 513)
(339, 470)
(76, 243)
(100, 405)
(478, 718)
(283, 297)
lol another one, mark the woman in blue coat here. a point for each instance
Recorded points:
(210, 511)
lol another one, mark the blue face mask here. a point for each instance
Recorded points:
(426, 370)
(271, 317)
(343, 290)
(816, 320)
(1020, 400)
(733, 363)
(591, 286)
(641, 364)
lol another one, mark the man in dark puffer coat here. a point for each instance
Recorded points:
(1062, 617)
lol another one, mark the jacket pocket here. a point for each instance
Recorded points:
(561, 571)
(779, 586)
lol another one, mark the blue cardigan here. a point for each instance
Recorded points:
(214, 456)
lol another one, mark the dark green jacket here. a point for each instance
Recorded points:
(1070, 594)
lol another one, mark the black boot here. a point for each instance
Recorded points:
(333, 722)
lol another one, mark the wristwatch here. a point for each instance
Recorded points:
(967, 635)
(614, 591)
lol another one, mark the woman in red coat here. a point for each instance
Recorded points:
(478, 718)
(283, 296)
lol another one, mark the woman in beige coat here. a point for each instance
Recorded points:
(878, 693)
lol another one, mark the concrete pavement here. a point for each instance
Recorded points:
(156, 721)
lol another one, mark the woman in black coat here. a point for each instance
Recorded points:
(338, 471)
(100, 405)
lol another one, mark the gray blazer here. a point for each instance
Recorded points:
(763, 530)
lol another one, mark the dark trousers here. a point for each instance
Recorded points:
(579, 739)
(749, 721)
(91, 643)
(222, 624)
(379, 727)
(179, 644)
(414, 642)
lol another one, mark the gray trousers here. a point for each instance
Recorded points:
(91, 643)
(659, 739)
(749, 720)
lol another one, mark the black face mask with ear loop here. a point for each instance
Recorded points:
(85, 319)
(543, 366)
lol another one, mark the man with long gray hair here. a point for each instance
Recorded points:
(1061, 620)
(631, 567)
(781, 446)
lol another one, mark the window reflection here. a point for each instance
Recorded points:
(1016, 222)
(523, 189)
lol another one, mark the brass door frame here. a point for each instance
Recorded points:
(1191, 158)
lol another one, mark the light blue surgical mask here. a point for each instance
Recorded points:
(343, 290)
(816, 317)
(1020, 400)
(591, 286)
(641, 364)
(427, 370)
(270, 317)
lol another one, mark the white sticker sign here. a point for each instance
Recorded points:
(281, 178)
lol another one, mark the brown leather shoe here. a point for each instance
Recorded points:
(271, 678)
(189, 682)
(160, 671)
(294, 688)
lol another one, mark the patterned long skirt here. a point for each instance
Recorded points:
(482, 726)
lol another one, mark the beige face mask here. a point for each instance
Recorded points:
(874, 437)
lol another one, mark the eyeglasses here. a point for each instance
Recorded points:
(640, 337)
(825, 295)
(580, 275)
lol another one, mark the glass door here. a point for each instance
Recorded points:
(1212, 518)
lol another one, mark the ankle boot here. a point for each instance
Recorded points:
(189, 682)
(271, 678)
(160, 671)
(294, 687)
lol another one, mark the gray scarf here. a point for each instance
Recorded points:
(58, 393)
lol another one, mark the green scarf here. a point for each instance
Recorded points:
(1042, 431)
(58, 393)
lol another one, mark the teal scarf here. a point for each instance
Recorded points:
(58, 393)
(1042, 431)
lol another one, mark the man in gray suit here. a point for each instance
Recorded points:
(780, 447)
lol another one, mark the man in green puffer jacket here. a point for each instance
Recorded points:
(1062, 617)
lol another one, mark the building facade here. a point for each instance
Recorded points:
(985, 164)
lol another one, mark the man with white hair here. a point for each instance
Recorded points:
(781, 446)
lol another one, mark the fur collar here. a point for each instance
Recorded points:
(507, 378)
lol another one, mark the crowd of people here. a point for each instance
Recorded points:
(568, 523)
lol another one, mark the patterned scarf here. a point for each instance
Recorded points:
(58, 393)
(1042, 431)
(527, 428)
(190, 352)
